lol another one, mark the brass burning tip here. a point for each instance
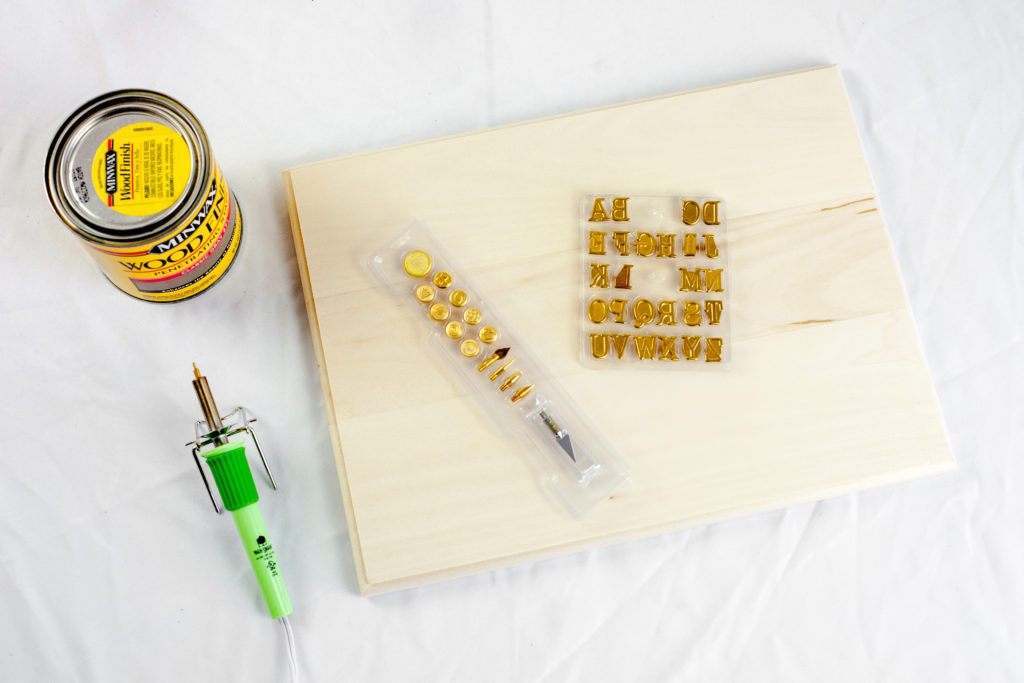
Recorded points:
(521, 393)
(206, 403)
(497, 373)
(494, 358)
(512, 379)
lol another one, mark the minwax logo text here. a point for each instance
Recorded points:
(196, 223)
(110, 171)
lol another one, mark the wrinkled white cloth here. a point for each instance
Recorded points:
(113, 566)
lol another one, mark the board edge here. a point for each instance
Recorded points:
(325, 385)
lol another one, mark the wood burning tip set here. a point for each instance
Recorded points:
(417, 264)
(577, 466)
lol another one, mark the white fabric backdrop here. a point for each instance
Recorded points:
(114, 568)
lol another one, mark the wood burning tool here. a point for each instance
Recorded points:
(224, 454)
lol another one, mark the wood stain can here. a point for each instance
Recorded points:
(131, 173)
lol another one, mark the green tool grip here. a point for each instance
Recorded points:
(238, 491)
(261, 555)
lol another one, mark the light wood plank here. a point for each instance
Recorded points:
(827, 391)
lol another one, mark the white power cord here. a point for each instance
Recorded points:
(292, 661)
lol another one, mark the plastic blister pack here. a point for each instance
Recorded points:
(654, 282)
(511, 384)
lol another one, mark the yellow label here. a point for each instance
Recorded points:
(185, 261)
(142, 168)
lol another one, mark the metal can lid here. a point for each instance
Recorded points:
(126, 164)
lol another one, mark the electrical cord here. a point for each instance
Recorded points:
(290, 637)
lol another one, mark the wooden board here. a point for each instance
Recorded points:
(827, 391)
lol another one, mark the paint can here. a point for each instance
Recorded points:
(131, 173)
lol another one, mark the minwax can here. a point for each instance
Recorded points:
(131, 173)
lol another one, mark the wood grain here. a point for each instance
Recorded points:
(827, 392)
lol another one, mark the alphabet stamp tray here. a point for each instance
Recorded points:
(654, 282)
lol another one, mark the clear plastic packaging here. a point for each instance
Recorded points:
(654, 282)
(512, 385)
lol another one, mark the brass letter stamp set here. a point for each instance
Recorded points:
(511, 384)
(654, 281)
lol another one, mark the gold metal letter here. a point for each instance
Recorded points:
(618, 307)
(711, 213)
(667, 312)
(667, 348)
(645, 346)
(691, 348)
(713, 349)
(713, 309)
(643, 312)
(619, 209)
(622, 279)
(644, 244)
(598, 345)
(710, 248)
(621, 242)
(690, 244)
(691, 212)
(597, 311)
(597, 214)
(713, 280)
(689, 281)
(691, 313)
(598, 274)
(667, 244)
(619, 342)
(597, 242)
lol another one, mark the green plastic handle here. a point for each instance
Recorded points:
(261, 555)
(231, 472)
